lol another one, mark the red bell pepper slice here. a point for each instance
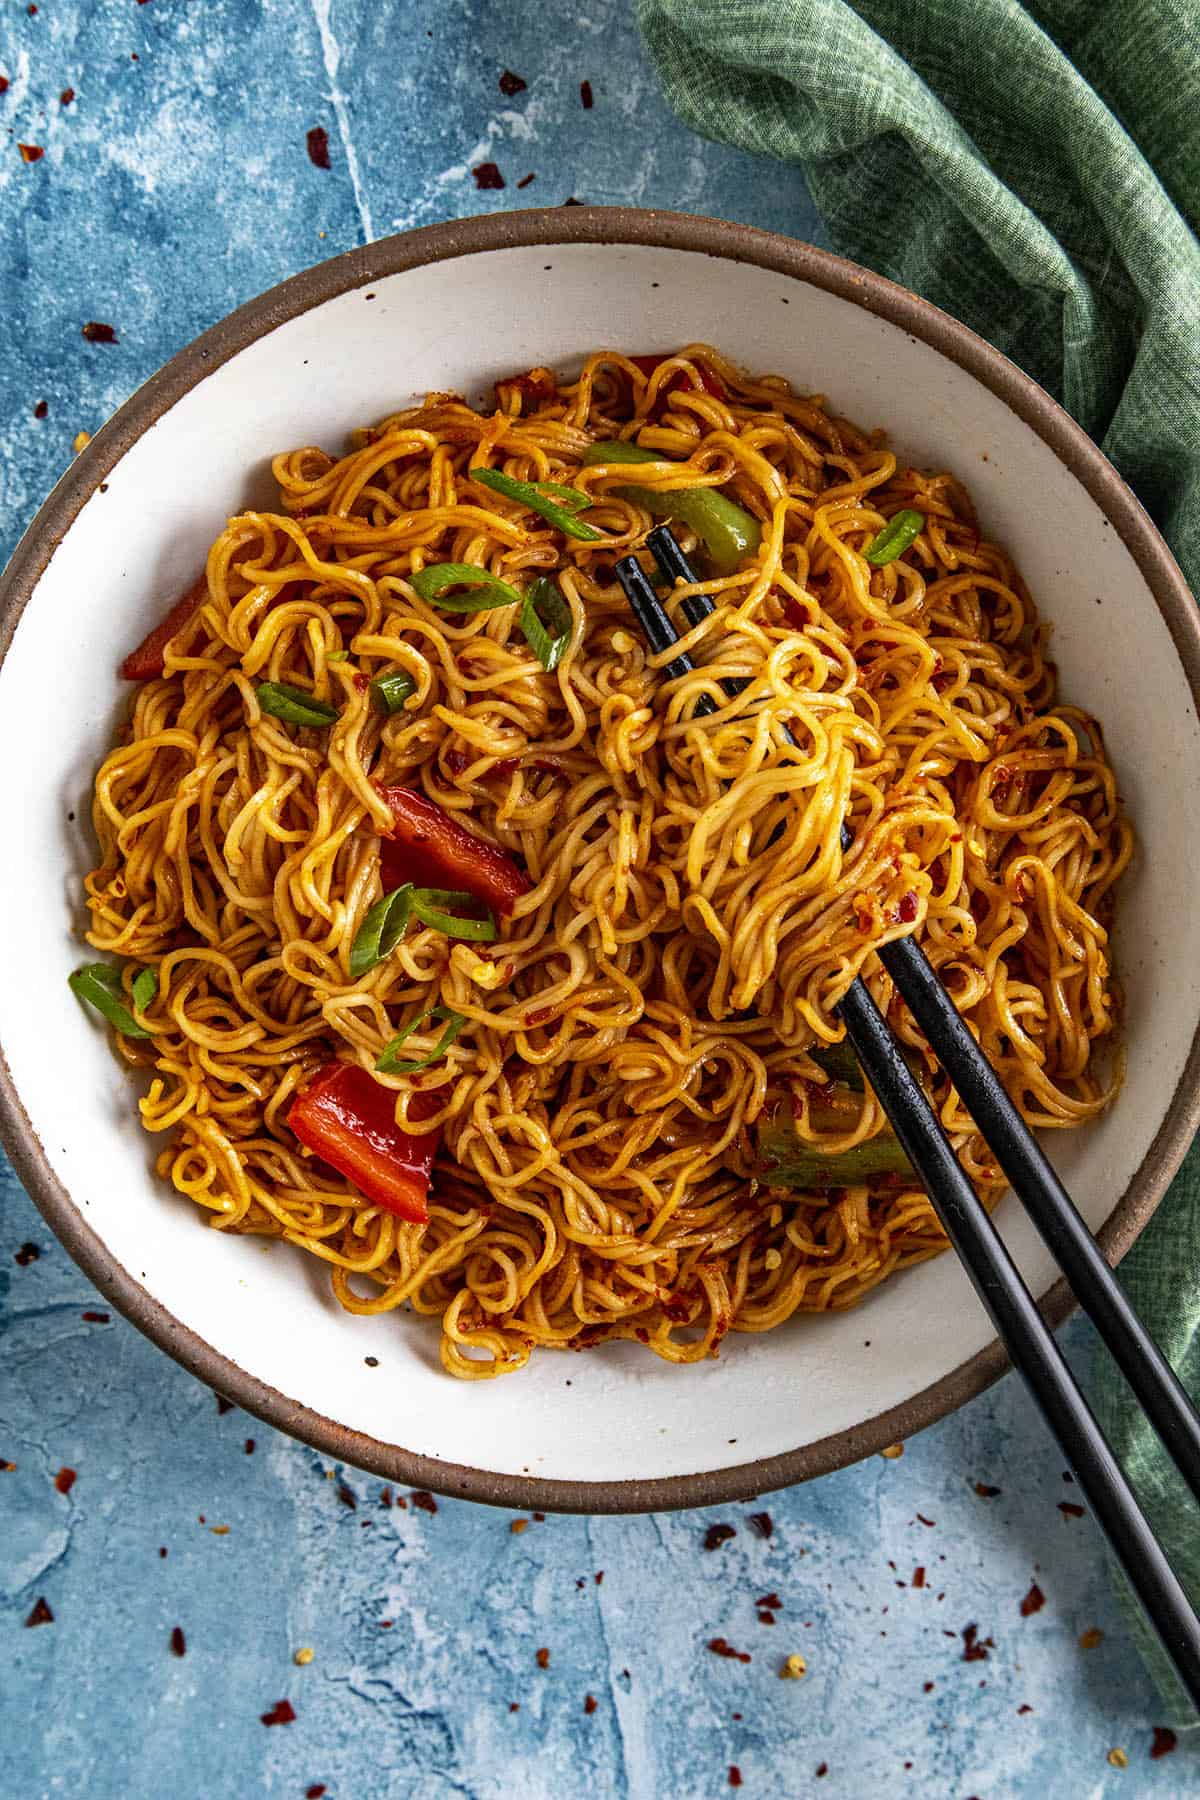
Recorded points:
(144, 663)
(430, 849)
(349, 1120)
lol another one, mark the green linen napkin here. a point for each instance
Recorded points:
(1035, 170)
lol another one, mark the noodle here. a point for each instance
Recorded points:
(691, 920)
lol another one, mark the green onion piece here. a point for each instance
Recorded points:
(145, 986)
(729, 533)
(433, 583)
(382, 929)
(538, 502)
(100, 985)
(293, 705)
(573, 499)
(785, 1160)
(389, 692)
(338, 656)
(895, 538)
(389, 1064)
(546, 621)
(432, 907)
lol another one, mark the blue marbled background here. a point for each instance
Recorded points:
(173, 185)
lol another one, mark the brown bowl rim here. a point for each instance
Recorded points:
(617, 226)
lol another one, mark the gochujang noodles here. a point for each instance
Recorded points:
(454, 948)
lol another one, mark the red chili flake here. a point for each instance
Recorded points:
(95, 1318)
(178, 1642)
(586, 96)
(96, 332)
(975, 1648)
(223, 1405)
(918, 1579)
(599, 1576)
(372, 1362)
(766, 1618)
(457, 761)
(761, 1524)
(906, 911)
(985, 1492)
(315, 1791)
(735, 1774)
(590, 1703)
(822, 1769)
(1070, 1509)
(346, 1496)
(1024, 1709)
(386, 1624)
(526, 179)
(539, 1518)
(66, 97)
(543, 1658)
(65, 1480)
(31, 152)
(925, 1521)
(41, 1614)
(511, 84)
(1164, 1740)
(487, 175)
(3, 84)
(1033, 1601)
(162, 1549)
(514, 1706)
(720, 1647)
(282, 1713)
(249, 1446)
(29, 1253)
(771, 1600)
(39, 412)
(318, 146)
(425, 1501)
(716, 1535)
(385, 1497)
(32, 11)
(927, 1687)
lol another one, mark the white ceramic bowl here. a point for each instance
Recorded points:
(453, 307)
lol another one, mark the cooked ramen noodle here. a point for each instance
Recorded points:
(457, 948)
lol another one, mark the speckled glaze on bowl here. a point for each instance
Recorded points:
(614, 1430)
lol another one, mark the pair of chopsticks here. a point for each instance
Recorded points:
(967, 1224)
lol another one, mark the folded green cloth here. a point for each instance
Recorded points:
(1035, 171)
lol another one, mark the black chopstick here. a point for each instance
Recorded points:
(1053, 1212)
(969, 1227)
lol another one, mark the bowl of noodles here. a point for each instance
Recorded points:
(459, 1082)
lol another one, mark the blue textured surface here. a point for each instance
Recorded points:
(173, 186)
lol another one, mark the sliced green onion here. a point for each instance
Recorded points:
(573, 499)
(389, 692)
(785, 1160)
(100, 985)
(894, 539)
(434, 582)
(382, 929)
(145, 987)
(432, 907)
(338, 656)
(546, 621)
(539, 502)
(293, 705)
(728, 532)
(389, 1064)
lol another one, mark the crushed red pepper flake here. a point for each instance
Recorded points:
(315, 1791)
(766, 1618)
(95, 1318)
(918, 1576)
(985, 1492)
(586, 96)
(716, 1535)
(975, 1648)
(346, 1496)
(487, 175)
(721, 1647)
(771, 1600)
(598, 1577)
(1165, 1741)
(178, 1641)
(282, 1713)
(41, 1613)
(735, 1774)
(543, 1658)
(514, 1706)
(511, 84)
(223, 1405)
(97, 332)
(1033, 1601)
(29, 1253)
(526, 179)
(372, 1362)
(927, 1687)
(424, 1500)
(1089, 1639)
(590, 1703)
(317, 139)
(162, 1549)
(1070, 1509)
(31, 153)
(65, 1480)
(3, 84)
(761, 1524)
(821, 1769)
(930, 1522)
(1024, 1708)
(66, 97)
(249, 1446)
